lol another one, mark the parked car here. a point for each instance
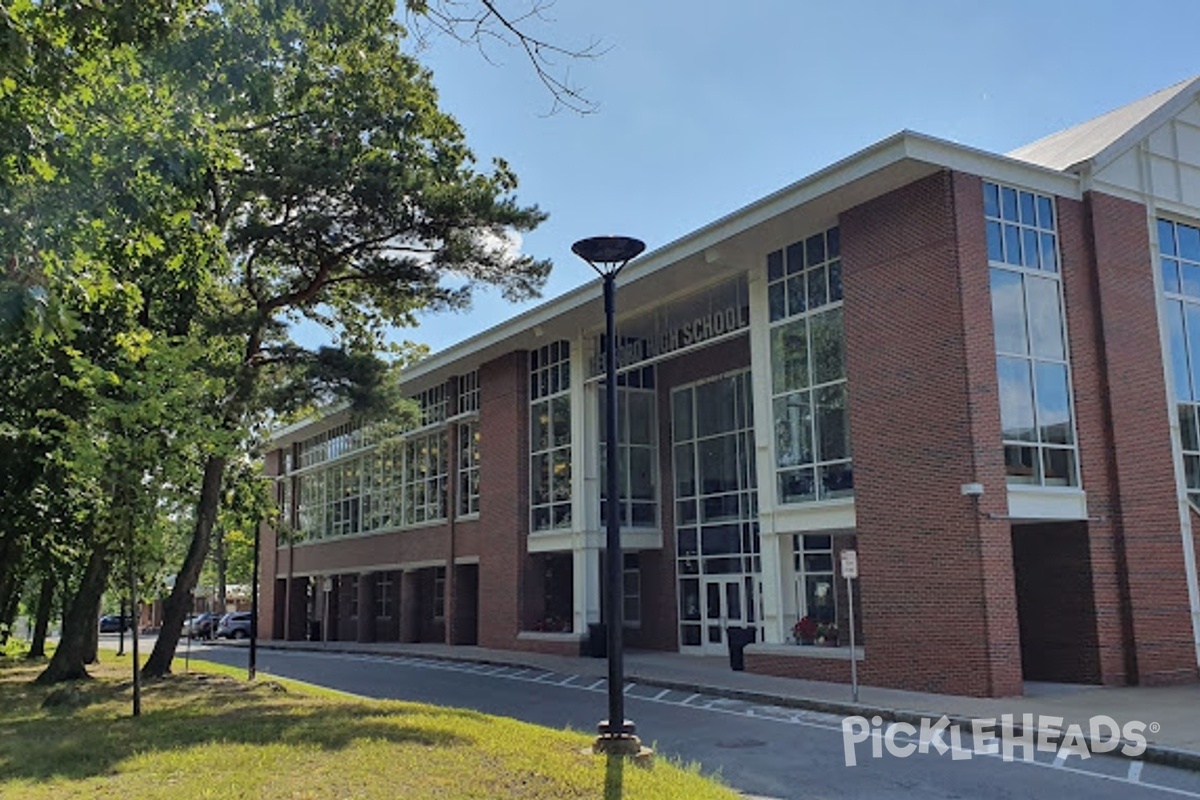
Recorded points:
(113, 623)
(203, 626)
(235, 625)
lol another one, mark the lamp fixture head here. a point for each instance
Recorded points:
(607, 254)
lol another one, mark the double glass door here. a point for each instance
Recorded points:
(724, 606)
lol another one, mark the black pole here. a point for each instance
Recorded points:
(121, 630)
(252, 667)
(616, 657)
(133, 605)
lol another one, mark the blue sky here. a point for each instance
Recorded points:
(705, 107)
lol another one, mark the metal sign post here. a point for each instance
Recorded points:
(850, 572)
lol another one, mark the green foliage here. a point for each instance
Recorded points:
(180, 182)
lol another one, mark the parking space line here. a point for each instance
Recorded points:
(661, 694)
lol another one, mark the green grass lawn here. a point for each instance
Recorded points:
(209, 734)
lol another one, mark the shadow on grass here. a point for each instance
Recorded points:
(189, 711)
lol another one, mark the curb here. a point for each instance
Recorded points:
(1153, 754)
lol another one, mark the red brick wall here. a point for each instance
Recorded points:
(1141, 442)
(939, 605)
(504, 496)
(804, 667)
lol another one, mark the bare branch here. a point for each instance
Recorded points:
(479, 21)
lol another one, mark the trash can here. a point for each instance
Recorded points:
(738, 638)
(597, 640)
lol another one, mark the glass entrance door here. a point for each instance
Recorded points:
(724, 605)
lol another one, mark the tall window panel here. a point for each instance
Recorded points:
(468, 392)
(1032, 368)
(1179, 246)
(433, 405)
(815, 595)
(468, 468)
(425, 474)
(637, 466)
(550, 436)
(808, 371)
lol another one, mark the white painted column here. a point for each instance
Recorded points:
(585, 488)
(764, 423)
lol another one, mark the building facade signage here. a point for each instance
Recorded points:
(633, 350)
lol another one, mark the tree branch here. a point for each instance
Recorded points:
(489, 22)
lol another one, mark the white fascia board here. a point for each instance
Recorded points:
(905, 145)
(309, 426)
(992, 166)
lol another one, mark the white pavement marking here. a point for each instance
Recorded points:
(688, 699)
(1135, 771)
(568, 680)
(1061, 758)
(596, 684)
(629, 688)
(661, 694)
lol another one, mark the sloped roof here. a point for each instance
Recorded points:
(1110, 134)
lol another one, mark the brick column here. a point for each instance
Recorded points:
(504, 494)
(1093, 424)
(366, 607)
(937, 586)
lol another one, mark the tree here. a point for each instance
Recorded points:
(343, 195)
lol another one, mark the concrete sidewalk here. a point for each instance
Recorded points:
(1172, 714)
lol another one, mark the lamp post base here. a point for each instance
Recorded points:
(621, 741)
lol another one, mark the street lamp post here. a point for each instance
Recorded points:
(252, 667)
(607, 255)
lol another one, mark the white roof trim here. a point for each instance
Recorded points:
(887, 152)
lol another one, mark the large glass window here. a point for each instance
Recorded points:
(808, 371)
(1032, 370)
(550, 437)
(425, 475)
(815, 594)
(631, 593)
(637, 433)
(716, 503)
(432, 403)
(468, 468)
(1179, 248)
(468, 392)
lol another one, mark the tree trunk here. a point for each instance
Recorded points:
(76, 648)
(11, 577)
(45, 603)
(179, 602)
(220, 548)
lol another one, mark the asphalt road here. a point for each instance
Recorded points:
(761, 750)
